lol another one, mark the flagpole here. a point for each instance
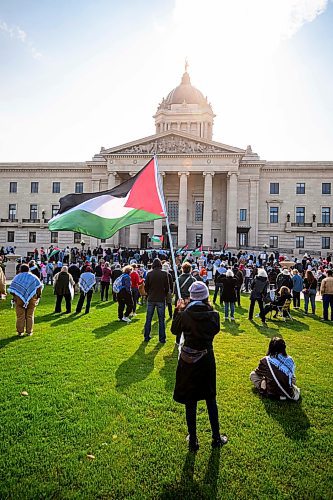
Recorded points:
(175, 270)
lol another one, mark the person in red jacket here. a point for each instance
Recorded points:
(135, 283)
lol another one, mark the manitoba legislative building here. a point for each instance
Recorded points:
(215, 194)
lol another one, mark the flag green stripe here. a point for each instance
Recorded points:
(90, 224)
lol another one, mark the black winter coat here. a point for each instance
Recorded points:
(196, 381)
(228, 293)
(259, 288)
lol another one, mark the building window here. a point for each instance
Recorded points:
(10, 236)
(299, 241)
(103, 240)
(13, 187)
(274, 188)
(300, 188)
(12, 211)
(274, 215)
(77, 237)
(34, 187)
(326, 188)
(243, 239)
(32, 237)
(325, 242)
(78, 187)
(54, 237)
(56, 187)
(198, 240)
(300, 215)
(33, 212)
(242, 214)
(173, 211)
(55, 209)
(326, 215)
(273, 242)
(198, 214)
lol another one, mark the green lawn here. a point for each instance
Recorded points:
(95, 388)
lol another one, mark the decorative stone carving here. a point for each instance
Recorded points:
(172, 144)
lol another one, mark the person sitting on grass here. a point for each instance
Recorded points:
(275, 375)
(283, 295)
(196, 370)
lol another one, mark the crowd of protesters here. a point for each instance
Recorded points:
(148, 277)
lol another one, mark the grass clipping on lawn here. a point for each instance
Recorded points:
(87, 411)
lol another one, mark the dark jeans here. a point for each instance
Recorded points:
(124, 300)
(105, 288)
(81, 300)
(59, 300)
(169, 306)
(218, 288)
(327, 301)
(311, 296)
(247, 282)
(160, 306)
(191, 418)
(135, 295)
(238, 295)
(261, 307)
(296, 299)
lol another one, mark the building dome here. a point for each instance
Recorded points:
(185, 93)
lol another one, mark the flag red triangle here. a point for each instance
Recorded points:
(144, 194)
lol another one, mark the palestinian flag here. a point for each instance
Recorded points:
(182, 249)
(54, 252)
(102, 214)
(157, 239)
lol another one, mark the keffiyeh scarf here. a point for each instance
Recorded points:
(25, 286)
(285, 364)
(87, 281)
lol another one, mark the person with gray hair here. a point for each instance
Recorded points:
(259, 288)
(62, 283)
(228, 294)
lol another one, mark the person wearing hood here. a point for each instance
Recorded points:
(284, 279)
(63, 282)
(196, 370)
(259, 290)
(86, 283)
(26, 289)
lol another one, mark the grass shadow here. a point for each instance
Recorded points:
(137, 367)
(9, 340)
(188, 487)
(232, 327)
(113, 326)
(290, 416)
(46, 317)
(102, 305)
(68, 318)
(265, 330)
(168, 372)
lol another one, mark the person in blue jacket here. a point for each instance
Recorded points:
(297, 288)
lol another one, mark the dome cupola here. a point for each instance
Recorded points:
(185, 109)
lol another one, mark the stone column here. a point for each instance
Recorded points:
(253, 216)
(158, 223)
(133, 229)
(112, 182)
(207, 213)
(232, 199)
(182, 209)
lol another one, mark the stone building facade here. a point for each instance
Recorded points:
(215, 194)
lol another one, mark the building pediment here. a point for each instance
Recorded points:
(172, 142)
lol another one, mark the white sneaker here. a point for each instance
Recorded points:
(20, 334)
(127, 320)
(232, 318)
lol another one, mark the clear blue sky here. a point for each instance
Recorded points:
(78, 75)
